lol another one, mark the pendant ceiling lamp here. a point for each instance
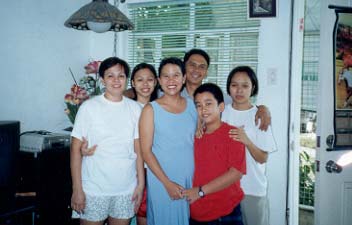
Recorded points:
(99, 16)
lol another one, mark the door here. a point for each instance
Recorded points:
(333, 187)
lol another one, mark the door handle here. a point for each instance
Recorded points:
(330, 140)
(332, 167)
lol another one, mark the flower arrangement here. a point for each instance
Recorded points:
(87, 87)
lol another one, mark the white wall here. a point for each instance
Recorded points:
(36, 50)
(274, 55)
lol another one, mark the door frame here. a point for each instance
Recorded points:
(295, 89)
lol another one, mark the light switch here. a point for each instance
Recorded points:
(271, 76)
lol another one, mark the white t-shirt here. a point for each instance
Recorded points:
(254, 182)
(113, 127)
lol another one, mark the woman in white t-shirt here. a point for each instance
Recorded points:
(242, 84)
(108, 184)
(144, 87)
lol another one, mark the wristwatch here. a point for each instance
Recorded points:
(201, 192)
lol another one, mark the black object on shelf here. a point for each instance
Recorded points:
(55, 189)
(9, 146)
(14, 209)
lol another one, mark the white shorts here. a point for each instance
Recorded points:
(99, 208)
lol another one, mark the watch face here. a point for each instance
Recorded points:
(201, 193)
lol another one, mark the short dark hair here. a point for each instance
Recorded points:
(196, 51)
(172, 60)
(213, 89)
(139, 67)
(112, 61)
(251, 74)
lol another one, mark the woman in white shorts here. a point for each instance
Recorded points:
(108, 184)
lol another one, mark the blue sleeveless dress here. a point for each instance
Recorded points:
(173, 148)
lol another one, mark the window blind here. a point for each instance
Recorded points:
(170, 28)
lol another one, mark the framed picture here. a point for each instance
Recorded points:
(342, 76)
(262, 8)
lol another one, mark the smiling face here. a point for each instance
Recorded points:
(241, 89)
(171, 79)
(144, 83)
(196, 69)
(208, 108)
(115, 82)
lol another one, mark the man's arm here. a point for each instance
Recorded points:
(263, 114)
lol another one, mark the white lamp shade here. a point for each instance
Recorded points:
(99, 27)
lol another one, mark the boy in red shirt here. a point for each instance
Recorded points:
(219, 164)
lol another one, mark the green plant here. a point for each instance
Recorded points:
(306, 179)
(87, 87)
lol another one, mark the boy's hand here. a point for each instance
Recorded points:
(263, 114)
(85, 151)
(137, 198)
(240, 135)
(174, 190)
(191, 194)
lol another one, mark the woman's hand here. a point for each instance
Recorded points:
(240, 135)
(174, 190)
(137, 197)
(191, 194)
(85, 151)
(78, 201)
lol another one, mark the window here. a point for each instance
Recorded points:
(170, 28)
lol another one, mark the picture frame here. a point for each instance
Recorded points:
(262, 8)
(342, 75)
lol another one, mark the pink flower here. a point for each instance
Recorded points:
(68, 98)
(81, 91)
(92, 67)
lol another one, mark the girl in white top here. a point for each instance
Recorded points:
(110, 183)
(242, 84)
(144, 85)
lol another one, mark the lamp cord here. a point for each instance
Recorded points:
(116, 38)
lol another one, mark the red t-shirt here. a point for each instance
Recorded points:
(214, 155)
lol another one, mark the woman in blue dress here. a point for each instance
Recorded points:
(167, 128)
